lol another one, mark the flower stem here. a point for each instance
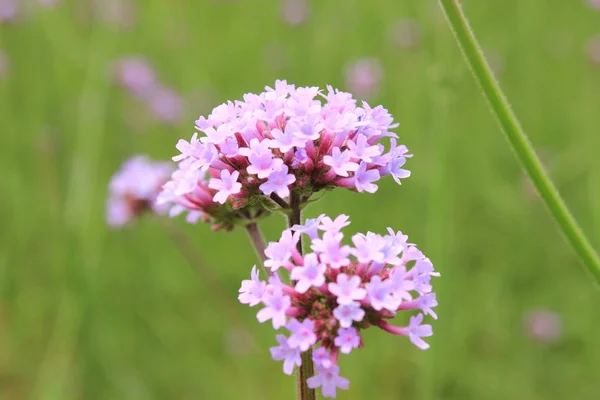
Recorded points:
(517, 137)
(212, 283)
(258, 242)
(306, 370)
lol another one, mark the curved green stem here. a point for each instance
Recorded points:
(517, 137)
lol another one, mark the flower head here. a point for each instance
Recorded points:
(328, 303)
(284, 141)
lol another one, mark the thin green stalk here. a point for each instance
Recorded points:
(258, 243)
(517, 137)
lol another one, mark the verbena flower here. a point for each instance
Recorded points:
(134, 188)
(136, 75)
(8, 10)
(290, 140)
(363, 76)
(338, 290)
(165, 104)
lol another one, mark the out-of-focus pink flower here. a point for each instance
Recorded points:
(594, 3)
(295, 12)
(8, 10)
(406, 33)
(121, 13)
(134, 188)
(543, 325)
(135, 74)
(363, 77)
(165, 104)
(593, 50)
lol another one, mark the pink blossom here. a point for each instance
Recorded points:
(278, 182)
(311, 274)
(322, 358)
(346, 314)
(328, 379)
(286, 142)
(543, 325)
(252, 291)
(290, 355)
(303, 336)
(134, 189)
(276, 304)
(363, 76)
(347, 289)
(347, 339)
(226, 186)
(333, 302)
(295, 12)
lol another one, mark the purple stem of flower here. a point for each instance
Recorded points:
(279, 201)
(408, 305)
(394, 330)
(295, 312)
(214, 287)
(258, 242)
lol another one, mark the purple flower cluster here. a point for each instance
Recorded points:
(134, 188)
(8, 10)
(204, 198)
(285, 139)
(338, 290)
(138, 78)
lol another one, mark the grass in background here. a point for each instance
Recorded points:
(86, 313)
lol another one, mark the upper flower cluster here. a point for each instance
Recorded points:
(287, 139)
(336, 291)
(134, 188)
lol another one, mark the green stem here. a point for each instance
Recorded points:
(258, 242)
(517, 137)
(306, 370)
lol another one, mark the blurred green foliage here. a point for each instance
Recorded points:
(86, 313)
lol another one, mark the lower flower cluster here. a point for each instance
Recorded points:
(338, 290)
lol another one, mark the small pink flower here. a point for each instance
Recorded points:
(543, 325)
(347, 339)
(8, 10)
(290, 355)
(347, 289)
(363, 76)
(303, 335)
(593, 50)
(226, 186)
(295, 12)
(328, 379)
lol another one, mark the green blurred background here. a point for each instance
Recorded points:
(89, 313)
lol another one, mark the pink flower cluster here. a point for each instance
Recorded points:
(286, 139)
(134, 188)
(204, 198)
(136, 75)
(336, 291)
